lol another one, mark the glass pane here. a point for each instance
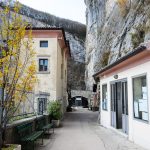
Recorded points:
(123, 98)
(46, 62)
(40, 106)
(113, 97)
(43, 43)
(126, 97)
(104, 97)
(41, 62)
(45, 68)
(140, 98)
(40, 68)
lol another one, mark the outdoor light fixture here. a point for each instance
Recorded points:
(116, 76)
(60, 38)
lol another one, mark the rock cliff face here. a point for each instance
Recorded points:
(75, 33)
(114, 27)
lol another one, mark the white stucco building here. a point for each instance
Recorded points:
(125, 95)
(52, 51)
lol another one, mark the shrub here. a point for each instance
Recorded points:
(138, 36)
(54, 109)
(105, 58)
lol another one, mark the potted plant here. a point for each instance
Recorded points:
(54, 110)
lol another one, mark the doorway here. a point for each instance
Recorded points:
(119, 105)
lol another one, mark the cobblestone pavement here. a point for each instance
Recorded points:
(80, 131)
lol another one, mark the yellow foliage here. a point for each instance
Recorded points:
(18, 70)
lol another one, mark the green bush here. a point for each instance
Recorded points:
(54, 109)
(11, 147)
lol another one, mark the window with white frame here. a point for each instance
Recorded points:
(140, 98)
(43, 65)
(104, 97)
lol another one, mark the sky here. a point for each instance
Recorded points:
(69, 9)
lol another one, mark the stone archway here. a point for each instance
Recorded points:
(79, 101)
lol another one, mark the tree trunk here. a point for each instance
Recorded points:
(2, 120)
(1, 140)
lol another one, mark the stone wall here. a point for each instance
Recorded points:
(11, 135)
(86, 94)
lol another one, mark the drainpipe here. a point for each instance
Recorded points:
(99, 97)
(97, 80)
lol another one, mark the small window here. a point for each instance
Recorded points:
(140, 98)
(104, 97)
(43, 64)
(65, 75)
(61, 71)
(43, 43)
(42, 105)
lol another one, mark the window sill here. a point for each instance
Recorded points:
(140, 120)
(105, 109)
(43, 72)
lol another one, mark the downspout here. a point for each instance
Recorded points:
(57, 68)
(98, 92)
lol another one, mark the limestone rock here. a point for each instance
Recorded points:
(113, 30)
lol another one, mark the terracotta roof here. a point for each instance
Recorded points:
(48, 28)
(53, 28)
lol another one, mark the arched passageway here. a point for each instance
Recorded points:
(79, 101)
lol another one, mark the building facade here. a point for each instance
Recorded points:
(125, 95)
(52, 51)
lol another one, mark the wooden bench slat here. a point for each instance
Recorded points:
(33, 136)
(48, 126)
(27, 134)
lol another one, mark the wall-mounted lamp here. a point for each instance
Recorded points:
(60, 38)
(116, 76)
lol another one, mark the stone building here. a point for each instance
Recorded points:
(52, 52)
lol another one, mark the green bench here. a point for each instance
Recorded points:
(27, 136)
(41, 124)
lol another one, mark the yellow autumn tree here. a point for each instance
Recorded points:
(17, 66)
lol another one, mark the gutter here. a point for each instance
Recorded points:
(120, 60)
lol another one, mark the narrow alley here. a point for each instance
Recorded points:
(80, 131)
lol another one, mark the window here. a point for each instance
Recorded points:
(43, 43)
(65, 75)
(140, 99)
(42, 105)
(43, 64)
(104, 97)
(61, 71)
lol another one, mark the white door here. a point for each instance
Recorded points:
(125, 121)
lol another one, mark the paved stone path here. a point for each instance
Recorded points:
(80, 131)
